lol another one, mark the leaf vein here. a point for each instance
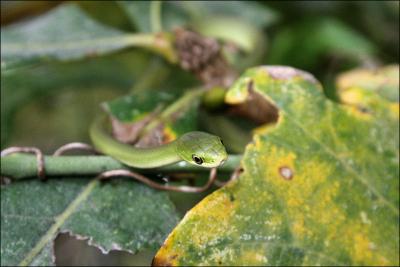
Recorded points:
(347, 167)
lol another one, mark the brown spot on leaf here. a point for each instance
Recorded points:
(364, 109)
(286, 173)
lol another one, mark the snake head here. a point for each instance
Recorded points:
(202, 149)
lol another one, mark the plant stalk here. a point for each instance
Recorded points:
(20, 166)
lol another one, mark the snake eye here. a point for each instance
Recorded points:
(221, 142)
(197, 159)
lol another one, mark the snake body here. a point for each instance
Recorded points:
(198, 148)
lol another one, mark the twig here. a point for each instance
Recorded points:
(155, 14)
(21, 166)
(39, 157)
(74, 146)
(147, 181)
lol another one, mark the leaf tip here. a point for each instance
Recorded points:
(160, 260)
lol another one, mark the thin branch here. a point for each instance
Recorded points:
(39, 157)
(161, 43)
(149, 182)
(20, 166)
(155, 14)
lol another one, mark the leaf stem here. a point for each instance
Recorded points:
(21, 166)
(161, 43)
(155, 15)
(188, 99)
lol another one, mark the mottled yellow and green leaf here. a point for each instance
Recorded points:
(319, 188)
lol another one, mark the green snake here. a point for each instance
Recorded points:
(197, 148)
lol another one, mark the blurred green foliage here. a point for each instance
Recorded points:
(323, 38)
(49, 98)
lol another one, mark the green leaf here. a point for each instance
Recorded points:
(303, 44)
(252, 12)
(135, 106)
(67, 33)
(108, 13)
(320, 187)
(384, 81)
(153, 118)
(116, 215)
(174, 14)
(238, 22)
(138, 12)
